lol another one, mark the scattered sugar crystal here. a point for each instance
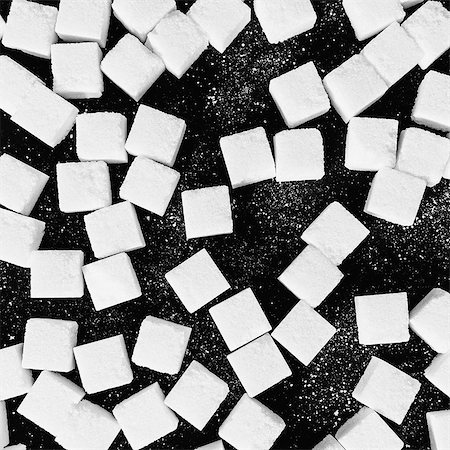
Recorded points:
(4, 429)
(437, 373)
(438, 429)
(328, 443)
(216, 445)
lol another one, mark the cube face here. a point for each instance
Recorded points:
(437, 373)
(328, 443)
(216, 445)
(438, 431)
(4, 431)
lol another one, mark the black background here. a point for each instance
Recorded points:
(221, 95)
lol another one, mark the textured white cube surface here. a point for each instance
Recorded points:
(103, 364)
(161, 345)
(251, 425)
(178, 41)
(132, 66)
(438, 429)
(197, 281)
(4, 430)
(248, 157)
(283, 19)
(144, 418)
(259, 365)
(197, 395)
(311, 276)
(21, 184)
(303, 332)
(328, 443)
(48, 345)
(207, 212)
(395, 196)
(111, 281)
(437, 373)
(149, 185)
(216, 445)
(386, 389)
(299, 94)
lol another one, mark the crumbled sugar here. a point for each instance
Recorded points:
(103, 364)
(328, 443)
(4, 429)
(259, 365)
(283, 19)
(111, 281)
(395, 196)
(248, 157)
(311, 276)
(144, 418)
(437, 373)
(197, 395)
(161, 345)
(149, 185)
(438, 429)
(21, 184)
(216, 445)
(371, 143)
(114, 229)
(48, 345)
(30, 27)
(250, 424)
(220, 21)
(240, 319)
(207, 212)
(83, 186)
(430, 319)
(299, 94)
(132, 66)
(386, 389)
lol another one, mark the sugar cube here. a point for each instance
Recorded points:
(48, 345)
(111, 281)
(259, 365)
(395, 196)
(19, 237)
(220, 21)
(197, 395)
(386, 389)
(56, 274)
(371, 143)
(216, 445)
(4, 430)
(250, 424)
(16, 447)
(437, 373)
(207, 212)
(2, 27)
(328, 443)
(30, 27)
(283, 19)
(149, 185)
(83, 20)
(311, 276)
(409, 3)
(144, 418)
(178, 41)
(438, 428)
(132, 67)
(240, 319)
(161, 345)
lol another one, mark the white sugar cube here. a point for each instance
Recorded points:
(220, 21)
(178, 41)
(283, 19)
(382, 318)
(311, 276)
(259, 365)
(4, 430)
(56, 274)
(197, 281)
(149, 185)
(19, 237)
(437, 373)
(2, 27)
(409, 3)
(430, 319)
(300, 95)
(207, 212)
(101, 137)
(30, 27)
(83, 186)
(132, 66)
(152, 347)
(335, 232)
(197, 395)
(250, 424)
(103, 364)
(144, 418)
(216, 445)
(386, 389)
(111, 281)
(16, 447)
(438, 429)
(21, 184)
(303, 332)
(48, 345)
(395, 196)
(83, 20)
(371, 143)
(328, 443)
